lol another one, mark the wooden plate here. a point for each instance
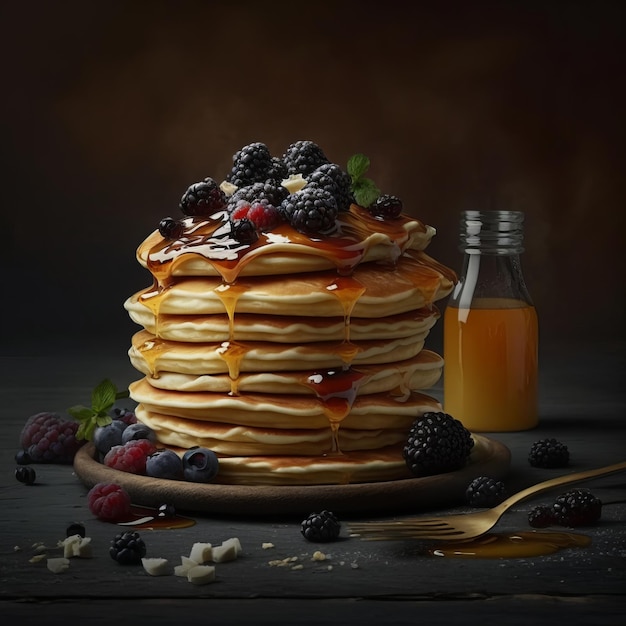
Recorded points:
(488, 458)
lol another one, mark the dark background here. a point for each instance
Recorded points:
(111, 109)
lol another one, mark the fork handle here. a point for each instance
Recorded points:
(560, 480)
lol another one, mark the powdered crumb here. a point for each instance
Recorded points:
(267, 545)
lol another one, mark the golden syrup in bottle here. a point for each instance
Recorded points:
(491, 329)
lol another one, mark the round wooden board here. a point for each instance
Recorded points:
(488, 458)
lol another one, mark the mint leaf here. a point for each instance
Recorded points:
(365, 192)
(103, 396)
(80, 413)
(358, 164)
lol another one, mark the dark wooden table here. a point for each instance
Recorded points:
(583, 403)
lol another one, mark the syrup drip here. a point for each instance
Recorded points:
(151, 351)
(151, 520)
(337, 389)
(512, 545)
(231, 351)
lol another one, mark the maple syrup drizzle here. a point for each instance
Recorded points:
(210, 239)
(231, 351)
(154, 521)
(151, 350)
(512, 545)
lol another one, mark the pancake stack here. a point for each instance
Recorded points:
(298, 359)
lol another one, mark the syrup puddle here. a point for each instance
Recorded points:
(146, 518)
(512, 545)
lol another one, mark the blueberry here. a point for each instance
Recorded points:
(164, 464)
(200, 465)
(105, 437)
(22, 457)
(166, 510)
(25, 474)
(138, 431)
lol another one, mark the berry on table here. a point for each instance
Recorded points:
(311, 211)
(131, 456)
(321, 527)
(386, 207)
(485, 491)
(49, 438)
(303, 157)
(166, 510)
(578, 507)
(164, 464)
(203, 198)
(541, 516)
(75, 528)
(127, 548)
(25, 474)
(200, 465)
(109, 502)
(548, 453)
(437, 443)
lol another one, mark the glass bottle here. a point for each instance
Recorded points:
(490, 329)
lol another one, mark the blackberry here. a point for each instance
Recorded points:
(303, 157)
(203, 198)
(25, 474)
(437, 443)
(127, 548)
(548, 453)
(268, 190)
(278, 170)
(386, 207)
(171, 228)
(264, 215)
(337, 182)
(312, 210)
(321, 527)
(578, 507)
(252, 164)
(485, 492)
(541, 517)
(244, 230)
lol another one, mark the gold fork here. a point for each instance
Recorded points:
(467, 525)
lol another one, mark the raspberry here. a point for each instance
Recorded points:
(312, 210)
(109, 502)
(303, 157)
(437, 443)
(548, 453)
(131, 456)
(203, 198)
(127, 548)
(578, 507)
(485, 492)
(386, 207)
(48, 438)
(541, 517)
(261, 213)
(321, 527)
(252, 164)
(334, 180)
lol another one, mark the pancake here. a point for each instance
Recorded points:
(419, 372)
(370, 412)
(298, 357)
(278, 328)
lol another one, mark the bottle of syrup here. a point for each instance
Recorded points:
(490, 329)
